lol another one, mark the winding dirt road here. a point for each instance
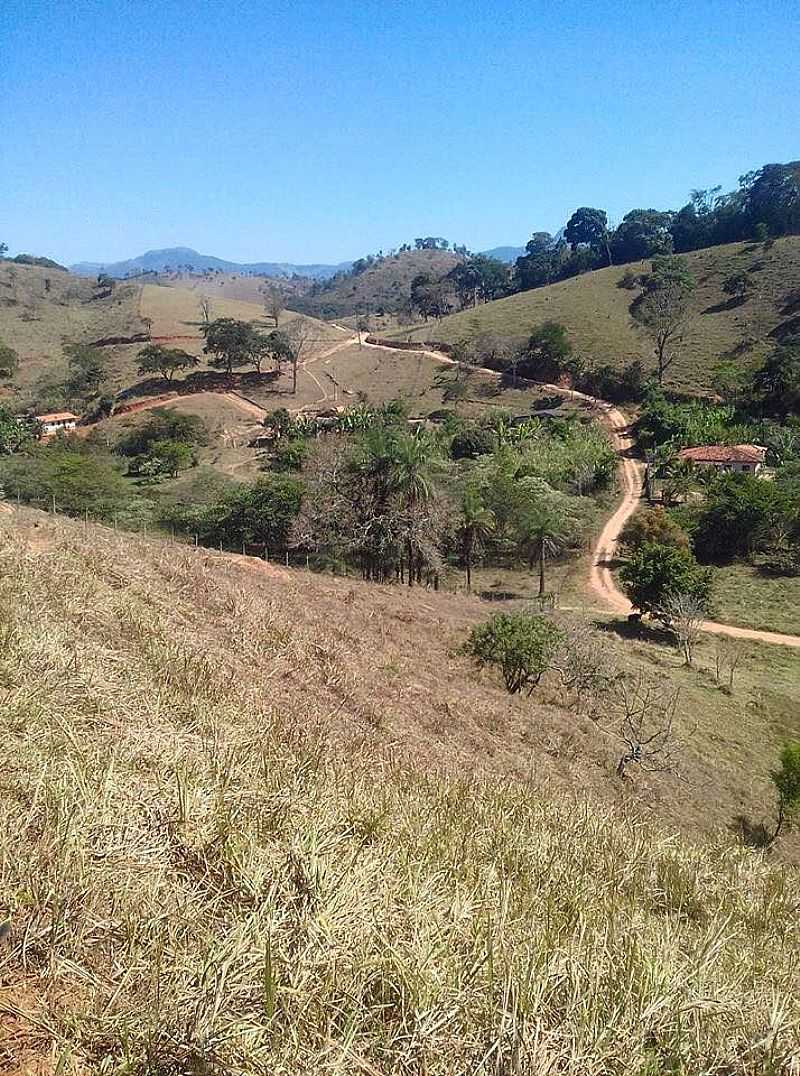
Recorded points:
(601, 579)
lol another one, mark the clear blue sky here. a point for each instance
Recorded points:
(319, 131)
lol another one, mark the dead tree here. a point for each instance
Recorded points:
(647, 727)
(683, 615)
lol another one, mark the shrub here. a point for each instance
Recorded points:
(656, 526)
(786, 778)
(471, 442)
(522, 644)
(163, 425)
(291, 454)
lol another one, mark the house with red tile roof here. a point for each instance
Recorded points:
(747, 459)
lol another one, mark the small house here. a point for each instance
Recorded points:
(56, 422)
(745, 459)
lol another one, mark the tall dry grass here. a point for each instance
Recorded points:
(199, 881)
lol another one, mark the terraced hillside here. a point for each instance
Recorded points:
(261, 821)
(596, 311)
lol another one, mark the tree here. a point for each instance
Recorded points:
(590, 227)
(786, 779)
(654, 573)
(684, 614)
(16, 432)
(653, 525)
(9, 361)
(163, 424)
(776, 383)
(663, 308)
(523, 645)
(155, 359)
(171, 456)
(299, 338)
(476, 523)
(274, 303)
(229, 343)
(411, 464)
(741, 512)
(544, 527)
(3, 249)
(205, 309)
(87, 370)
(643, 233)
(772, 197)
(647, 728)
(548, 352)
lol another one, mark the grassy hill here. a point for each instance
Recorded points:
(383, 286)
(41, 309)
(596, 311)
(263, 821)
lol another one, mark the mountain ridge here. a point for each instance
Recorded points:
(172, 257)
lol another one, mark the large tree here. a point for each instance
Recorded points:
(229, 343)
(166, 361)
(475, 525)
(9, 361)
(655, 573)
(589, 227)
(643, 233)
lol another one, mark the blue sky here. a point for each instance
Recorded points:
(319, 131)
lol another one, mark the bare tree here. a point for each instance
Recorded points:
(727, 656)
(273, 303)
(662, 314)
(683, 615)
(300, 337)
(647, 728)
(205, 309)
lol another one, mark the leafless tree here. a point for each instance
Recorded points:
(273, 303)
(727, 656)
(205, 309)
(300, 337)
(148, 325)
(647, 727)
(683, 615)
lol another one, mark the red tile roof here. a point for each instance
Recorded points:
(724, 454)
(58, 416)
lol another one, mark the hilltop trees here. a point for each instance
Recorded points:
(229, 343)
(589, 227)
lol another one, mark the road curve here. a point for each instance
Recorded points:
(601, 579)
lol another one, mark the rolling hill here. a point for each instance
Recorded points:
(385, 285)
(260, 820)
(595, 310)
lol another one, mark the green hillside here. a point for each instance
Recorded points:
(383, 286)
(596, 312)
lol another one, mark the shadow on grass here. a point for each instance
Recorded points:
(727, 304)
(752, 834)
(200, 381)
(636, 630)
(499, 595)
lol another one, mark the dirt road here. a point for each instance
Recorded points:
(601, 579)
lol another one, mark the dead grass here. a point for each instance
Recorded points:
(273, 823)
(596, 311)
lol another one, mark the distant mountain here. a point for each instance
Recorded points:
(505, 254)
(156, 261)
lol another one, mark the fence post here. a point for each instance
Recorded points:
(220, 545)
(243, 552)
(195, 541)
(54, 504)
(287, 558)
(306, 560)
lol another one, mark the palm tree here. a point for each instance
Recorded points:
(544, 529)
(475, 525)
(414, 456)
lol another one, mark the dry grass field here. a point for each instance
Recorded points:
(742, 595)
(261, 821)
(37, 318)
(596, 311)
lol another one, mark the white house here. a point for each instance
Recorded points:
(56, 422)
(744, 458)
